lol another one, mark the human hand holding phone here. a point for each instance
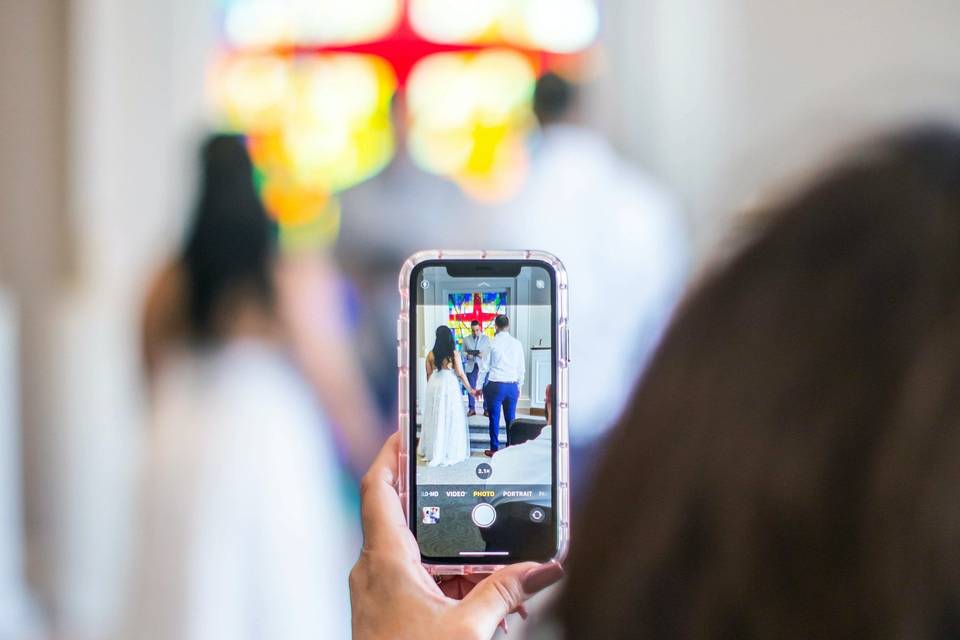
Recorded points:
(390, 590)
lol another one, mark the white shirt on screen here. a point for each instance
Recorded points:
(528, 463)
(505, 360)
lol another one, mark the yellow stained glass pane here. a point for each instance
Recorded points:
(315, 124)
(469, 113)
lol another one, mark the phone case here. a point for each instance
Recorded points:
(561, 392)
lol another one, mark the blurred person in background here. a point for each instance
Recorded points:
(788, 466)
(245, 533)
(311, 316)
(622, 240)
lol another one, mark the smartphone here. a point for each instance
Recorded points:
(484, 456)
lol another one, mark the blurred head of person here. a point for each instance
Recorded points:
(444, 346)
(502, 323)
(788, 468)
(475, 328)
(553, 99)
(228, 253)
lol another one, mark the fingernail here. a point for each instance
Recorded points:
(541, 577)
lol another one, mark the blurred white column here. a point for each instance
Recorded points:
(103, 104)
(33, 259)
(137, 71)
(18, 617)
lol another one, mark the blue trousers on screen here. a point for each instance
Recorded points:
(472, 379)
(495, 396)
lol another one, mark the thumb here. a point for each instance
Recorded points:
(502, 592)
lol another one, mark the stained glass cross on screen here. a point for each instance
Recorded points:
(482, 306)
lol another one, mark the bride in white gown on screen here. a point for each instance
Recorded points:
(445, 436)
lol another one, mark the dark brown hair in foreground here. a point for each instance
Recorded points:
(790, 467)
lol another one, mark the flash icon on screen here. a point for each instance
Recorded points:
(540, 284)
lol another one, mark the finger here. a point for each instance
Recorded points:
(503, 625)
(502, 592)
(380, 508)
(522, 612)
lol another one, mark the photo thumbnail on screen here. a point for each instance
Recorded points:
(484, 456)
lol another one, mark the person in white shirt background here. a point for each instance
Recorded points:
(473, 362)
(505, 366)
(623, 241)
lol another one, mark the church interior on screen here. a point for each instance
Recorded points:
(470, 306)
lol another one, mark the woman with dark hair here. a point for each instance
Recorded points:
(244, 532)
(223, 282)
(788, 466)
(228, 282)
(228, 256)
(445, 436)
(444, 350)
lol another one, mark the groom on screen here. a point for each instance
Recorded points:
(505, 370)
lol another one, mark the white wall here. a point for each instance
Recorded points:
(721, 98)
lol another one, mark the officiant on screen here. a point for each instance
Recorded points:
(475, 345)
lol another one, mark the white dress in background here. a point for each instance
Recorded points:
(445, 436)
(245, 533)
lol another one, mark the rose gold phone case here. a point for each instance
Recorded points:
(561, 392)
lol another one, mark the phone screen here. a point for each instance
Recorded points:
(483, 450)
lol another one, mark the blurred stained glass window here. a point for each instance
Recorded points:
(311, 82)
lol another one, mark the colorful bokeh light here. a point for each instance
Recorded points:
(279, 23)
(315, 124)
(558, 26)
(310, 82)
(469, 114)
